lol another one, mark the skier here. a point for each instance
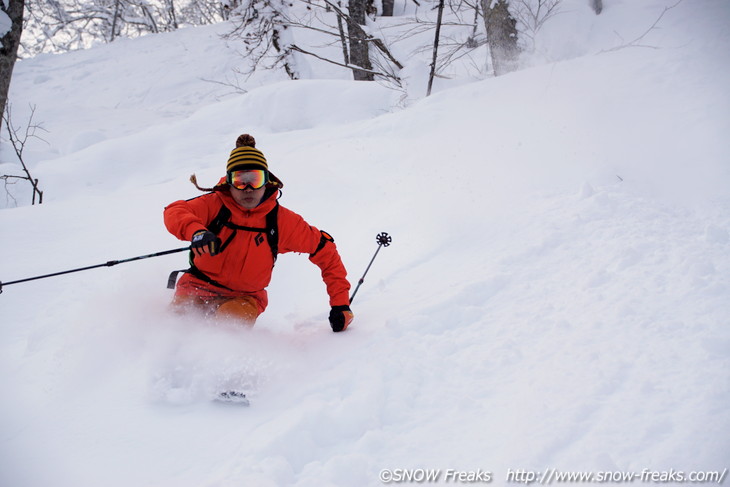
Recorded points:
(236, 230)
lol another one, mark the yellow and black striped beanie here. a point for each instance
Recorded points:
(246, 155)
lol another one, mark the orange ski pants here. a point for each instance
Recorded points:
(243, 308)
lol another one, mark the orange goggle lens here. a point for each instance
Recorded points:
(256, 178)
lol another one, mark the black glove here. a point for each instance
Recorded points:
(340, 318)
(202, 240)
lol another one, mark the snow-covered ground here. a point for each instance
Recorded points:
(556, 294)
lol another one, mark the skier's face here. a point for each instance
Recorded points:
(248, 198)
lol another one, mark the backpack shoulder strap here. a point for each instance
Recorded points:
(272, 230)
(220, 220)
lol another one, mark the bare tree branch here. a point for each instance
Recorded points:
(635, 42)
(18, 142)
(296, 48)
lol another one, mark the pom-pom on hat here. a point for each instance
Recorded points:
(246, 155)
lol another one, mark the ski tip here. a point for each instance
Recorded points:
(233, 397)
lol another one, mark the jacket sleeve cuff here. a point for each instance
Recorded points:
(192, 230)
(342, 299)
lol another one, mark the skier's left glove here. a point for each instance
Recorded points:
(340, 318)
(205, 242)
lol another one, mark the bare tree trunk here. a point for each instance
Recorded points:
(388, 6)
(359, 53)
(170, 6)
(435, 47)
(343, 37)
(152, 24)
(10, 41)
(597, 6)
(501, 35)
(115, 18)
(283, 47)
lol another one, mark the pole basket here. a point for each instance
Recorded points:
(383, 239)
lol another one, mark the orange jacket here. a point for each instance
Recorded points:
(245, 265)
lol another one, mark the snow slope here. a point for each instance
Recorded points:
(556, 294)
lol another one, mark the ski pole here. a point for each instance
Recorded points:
(383, 240)
(106, 264)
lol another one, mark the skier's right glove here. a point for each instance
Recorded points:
(340, 317)
(205, 242)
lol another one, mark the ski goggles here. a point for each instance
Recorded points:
(256, 178)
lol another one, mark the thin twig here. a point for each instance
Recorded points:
(635, 42)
